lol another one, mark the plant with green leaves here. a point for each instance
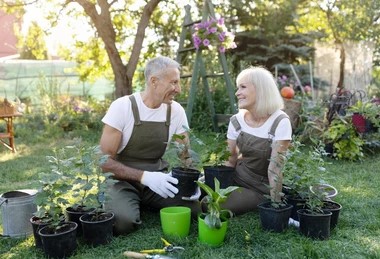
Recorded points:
(49, 199)
(303, 168)
(215, 214)
(180, 154)
(89, 183)
(369, 110)
(217, 152)
(346, 141)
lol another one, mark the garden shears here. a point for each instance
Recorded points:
(157, 253)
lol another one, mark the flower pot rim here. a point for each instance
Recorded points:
(72, 223)
(81, 218)
(286, 207)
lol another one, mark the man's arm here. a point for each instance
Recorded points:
(109, 144)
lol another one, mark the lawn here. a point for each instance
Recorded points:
(356, 236)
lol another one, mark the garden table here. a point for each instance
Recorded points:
(9, 133)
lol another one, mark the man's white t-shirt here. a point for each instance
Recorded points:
(283, 130)
(120, 117)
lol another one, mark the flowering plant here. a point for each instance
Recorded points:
(213, 32)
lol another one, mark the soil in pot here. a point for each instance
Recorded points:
(73, 214)
(316, 226)
(59, 243)
(97, 228)
(186, 181)
(274, 219)
(222, 173)
(334, 208)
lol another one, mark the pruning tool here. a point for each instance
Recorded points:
(168, 247)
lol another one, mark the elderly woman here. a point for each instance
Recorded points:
(257, 136)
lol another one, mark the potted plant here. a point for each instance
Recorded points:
(51, 232)
(314, 220)
(216, 154)
(184, 163)
(97, 225)
(212, 224)
(365, 116)
(302, 169)
(275, 214)
(87, 181)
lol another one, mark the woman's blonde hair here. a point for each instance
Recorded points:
(268, 97)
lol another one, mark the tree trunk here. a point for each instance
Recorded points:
(341, 66)
(104, 26)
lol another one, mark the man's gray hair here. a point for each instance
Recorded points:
(157, 65)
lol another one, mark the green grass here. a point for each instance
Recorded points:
(356, 236)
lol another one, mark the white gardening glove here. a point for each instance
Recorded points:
(160, 183)
(195, 196)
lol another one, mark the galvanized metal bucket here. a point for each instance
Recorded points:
(17, 207)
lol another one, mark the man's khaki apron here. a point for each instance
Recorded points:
(144, 151)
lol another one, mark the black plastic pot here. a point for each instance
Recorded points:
(186, 181)
(334, 208)
(316, 226)
(274, 219)
(297, 203)
(222, 173)
(61, 244)
(97, 231)
(37, 225)
(74, 215)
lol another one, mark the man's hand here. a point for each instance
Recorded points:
(160, 183)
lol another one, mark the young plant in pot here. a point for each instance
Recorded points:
(97, 225)
(301, 170)
(88, 183)
(184, 163)
(216, 155)
(314, 220)
(51, 232)
(328, 192)
(275, 213)
(212, 224)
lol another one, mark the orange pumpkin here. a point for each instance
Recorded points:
(287, 92)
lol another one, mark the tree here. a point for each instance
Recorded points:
(33, 44)
(343, 21)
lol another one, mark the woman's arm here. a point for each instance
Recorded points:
(276, 163)
(234, 153)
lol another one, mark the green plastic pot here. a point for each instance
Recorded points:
(213, 237)
(175, 221)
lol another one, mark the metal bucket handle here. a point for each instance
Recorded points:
(1, 204)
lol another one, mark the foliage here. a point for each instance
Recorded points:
(346, 141)
(369, 110)
(33, 45)
(89, 183)
(216, 153)
(215, 214)
(303, 168)
(180, 154)
(211, 33)
(49, 199)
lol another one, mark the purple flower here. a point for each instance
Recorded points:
(206, 42)
(221, 37)
(221, 21)
(222, 49)
(212, 30)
